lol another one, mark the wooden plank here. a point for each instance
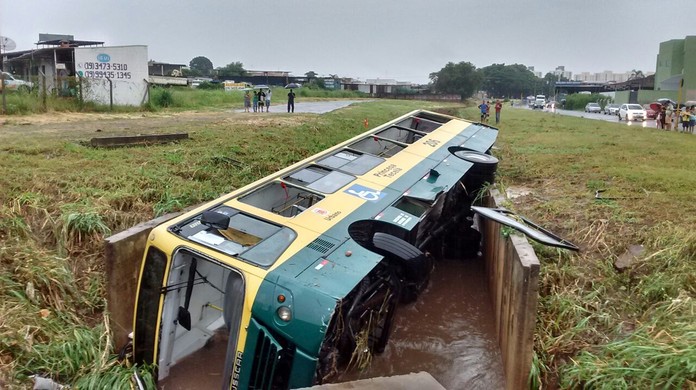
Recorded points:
(111, 142)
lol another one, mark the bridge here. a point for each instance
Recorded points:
(569, 87)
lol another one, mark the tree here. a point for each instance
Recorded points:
(508, 80)
(201, 65)
(548, 84)
(462, 79)
(636, 74)
(231, 70)
(316, 84)
(310, 75)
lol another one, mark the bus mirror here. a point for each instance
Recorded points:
(184, 318)
(215, 220)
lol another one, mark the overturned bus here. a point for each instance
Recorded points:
(290, 280)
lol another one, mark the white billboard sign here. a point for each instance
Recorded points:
(116, 71)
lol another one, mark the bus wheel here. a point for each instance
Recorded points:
(414, 264)
(483, 170)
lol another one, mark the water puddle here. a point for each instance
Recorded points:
(449, 332)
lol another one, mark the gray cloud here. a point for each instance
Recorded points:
(405, 39)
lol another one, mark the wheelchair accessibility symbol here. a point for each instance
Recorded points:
(365, 193)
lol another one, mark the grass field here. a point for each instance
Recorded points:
(596, 327)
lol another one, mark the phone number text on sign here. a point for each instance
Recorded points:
(115, 66)
(98, 74)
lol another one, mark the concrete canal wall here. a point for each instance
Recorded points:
(512, 268)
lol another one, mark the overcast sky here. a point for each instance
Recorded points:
(399, 39)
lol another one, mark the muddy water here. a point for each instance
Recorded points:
(449, 332)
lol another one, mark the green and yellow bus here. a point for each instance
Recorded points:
(284, 282)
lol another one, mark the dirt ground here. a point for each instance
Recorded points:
(88, 125)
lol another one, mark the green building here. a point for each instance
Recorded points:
(676, 61)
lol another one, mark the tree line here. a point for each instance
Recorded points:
(500, 80)
(463, 78)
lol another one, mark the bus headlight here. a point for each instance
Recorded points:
(284, 313)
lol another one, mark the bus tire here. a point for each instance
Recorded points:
(483, 170)
(414, 263)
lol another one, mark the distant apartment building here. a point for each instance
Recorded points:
(562, 74)
(537, 74)
(605, 77)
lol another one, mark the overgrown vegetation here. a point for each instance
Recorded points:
(207, 96)
(599, 327)
(596, 328)
(60, 198)
(577, 101)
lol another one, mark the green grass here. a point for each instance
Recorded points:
(60, 198)
(161, 99)
(598, 327)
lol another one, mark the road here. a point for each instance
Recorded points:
(316, 107)
(601, 117)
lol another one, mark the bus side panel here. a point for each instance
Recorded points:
(148, 305)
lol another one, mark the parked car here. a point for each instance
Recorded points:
(649, 112)
(14, 84)
(593, 107)
(632, 112)
(611, 109)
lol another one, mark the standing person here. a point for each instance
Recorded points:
(268, 99)
(668, 117)
(488, 110)
(484, 109)
(498, 107)
(262, 99)
(256, 101)
(660, 118)
(247, 101)
(692, 119)
(291, 101)
(685, 120)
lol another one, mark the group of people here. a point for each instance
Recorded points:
(257, 100)
(485, 108)
(669, 119)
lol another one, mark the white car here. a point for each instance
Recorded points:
(593, 107)
(632, 112)
(14, 84)
(611, 109)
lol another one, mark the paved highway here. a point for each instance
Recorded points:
(601, 117)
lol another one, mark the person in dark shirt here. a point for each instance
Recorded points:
(291, 101)
(262, 99)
